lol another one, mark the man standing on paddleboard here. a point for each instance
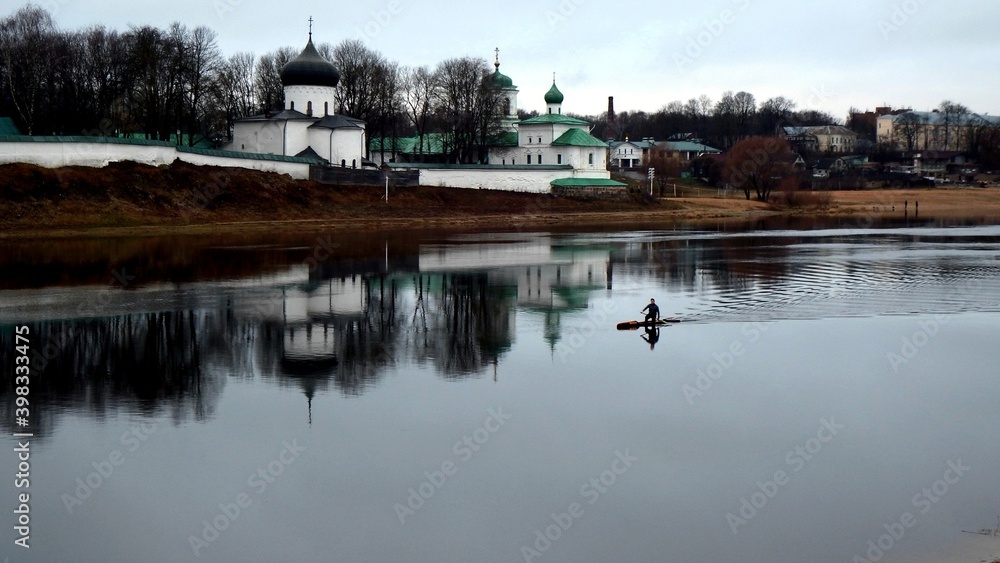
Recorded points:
(654, 311)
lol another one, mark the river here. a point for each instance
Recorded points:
(830, 394)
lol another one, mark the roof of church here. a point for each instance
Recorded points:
(7, 127)
(310, 69)
(578, 138)
(554, 96)
(555, 118)
(586, 182)
(283, 114)
(502, 80)
(338, 122)
(310, 154)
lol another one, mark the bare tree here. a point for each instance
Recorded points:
(907, 129)
(27, 61)
(952, 115)
(267, 78)
(419, 90)
(471, 106)
(757, 165)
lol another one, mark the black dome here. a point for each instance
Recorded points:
(310, 69)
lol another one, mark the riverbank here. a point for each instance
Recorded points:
(127, 199)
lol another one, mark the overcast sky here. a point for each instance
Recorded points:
(823, 54)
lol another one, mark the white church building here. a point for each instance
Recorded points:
(307, 125)
(550, 152)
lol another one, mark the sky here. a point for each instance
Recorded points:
(823, 54)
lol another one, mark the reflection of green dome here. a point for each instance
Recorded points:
(502, 80)
(553, 96)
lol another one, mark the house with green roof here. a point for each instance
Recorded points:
(553, 138)
(548, 152)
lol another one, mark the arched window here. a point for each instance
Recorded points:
(354, 163)
(506, 106)
(292, 105)
(326, 109)
(343, 163)
(309, 109)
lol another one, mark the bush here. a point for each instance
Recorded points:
(801, 199)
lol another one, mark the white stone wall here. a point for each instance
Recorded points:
(517, 180)
(322, 98)
(98, 155)
(344, 145)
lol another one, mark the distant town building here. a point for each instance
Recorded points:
(821, 138)
(931, 130)
(631, 154)
(686, 150)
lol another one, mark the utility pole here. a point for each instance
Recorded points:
(652, 174)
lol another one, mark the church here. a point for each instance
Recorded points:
(550, 152)
(307, 125)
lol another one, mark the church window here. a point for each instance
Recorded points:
(529, 159)
(558, 159)
(292, 106)
(539, 159)
(591, 159)
(309, 109)
(326, 109)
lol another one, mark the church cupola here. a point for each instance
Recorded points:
(554, 98)
(310, 82)
(508, 92)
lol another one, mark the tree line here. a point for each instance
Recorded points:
(176, 84)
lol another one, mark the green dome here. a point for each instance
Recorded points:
(502, 80)
(553, 96)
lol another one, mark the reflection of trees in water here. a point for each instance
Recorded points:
(469, 326)
(147, 362)
(178, 361)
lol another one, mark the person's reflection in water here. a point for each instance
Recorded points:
(652, 336)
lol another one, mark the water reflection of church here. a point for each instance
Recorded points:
(453, 307)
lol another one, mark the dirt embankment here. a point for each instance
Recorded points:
(128, 199)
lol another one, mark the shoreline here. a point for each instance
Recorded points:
(131, 200)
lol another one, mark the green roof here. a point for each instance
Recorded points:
(7, 127)
(554, 96)
(501, 80)
(554, 118)
(507, 139)
(586, 182)
(578, 138)
(433, 144)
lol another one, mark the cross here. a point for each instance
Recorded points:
(553, 78)
(497, 51)
(310, 27)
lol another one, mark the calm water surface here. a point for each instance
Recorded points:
(466, 397)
